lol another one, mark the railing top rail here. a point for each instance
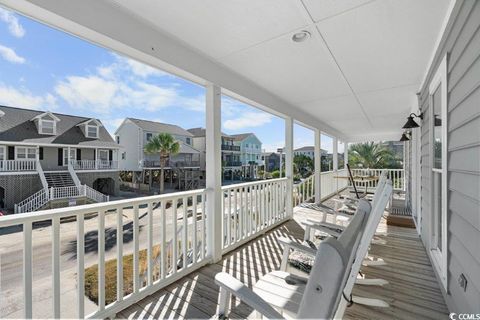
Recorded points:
(247, 184)
(15, 219)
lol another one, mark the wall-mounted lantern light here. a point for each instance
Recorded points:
(411, 123)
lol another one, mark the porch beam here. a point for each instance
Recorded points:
(318, 165)
(213, 158)
(289, 165)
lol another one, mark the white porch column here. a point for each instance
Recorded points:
(96, 159)
(213, 138)
(289, 165)
(68, 156)
(345, 153)
(335, 162)
(318, 165)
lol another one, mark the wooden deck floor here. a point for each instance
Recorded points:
(412, 292)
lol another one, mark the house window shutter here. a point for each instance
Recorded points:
(11, 153)
(79, 154)
(110, 155)
(40, 153)
(60, 156)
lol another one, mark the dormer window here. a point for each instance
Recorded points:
(91, 128)
(46, 123)
(92, 131)
(47, 126)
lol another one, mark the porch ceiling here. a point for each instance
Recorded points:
(358, 73)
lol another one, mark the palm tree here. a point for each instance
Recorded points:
(371, 155)
(165, 145)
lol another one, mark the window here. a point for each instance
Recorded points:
(103, 155)
(25, 153)
(149, 136)
(47, 126)
(73, 155)
(91, 131)
(2, 153)
(118, 139)
(124, 155)
(188, 140)
(438, 178)
(246, 145)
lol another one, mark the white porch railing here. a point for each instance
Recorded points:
(18, 165)
(331, 183)
(42, 197)
(185, 209)
(34, 202)
(396, 175)
(304, 191)
(94, 164)
(249, 208)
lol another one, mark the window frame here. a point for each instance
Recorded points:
(27, 148)
(41, 126)
(4, 150)
(100, 151)
(440, 257)
(65, 150)
(87, 126)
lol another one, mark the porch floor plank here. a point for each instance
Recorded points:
(412, 292)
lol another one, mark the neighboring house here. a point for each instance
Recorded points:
(271, 160)
(308, 151)
(133, 134)
(230, 152)
(47, 156)
(250, 148)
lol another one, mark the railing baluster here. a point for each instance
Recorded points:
(229, 216)
(136, 273)
(194, 230)
(250, 216)
(163, 240)
(119, 254)
(204, 229)
(80, 266)
(101, 260)
(27, 269)
(185, 232)
(241, 214)
(235, 216)
(56, 266)
(150, 245)
(174, 237)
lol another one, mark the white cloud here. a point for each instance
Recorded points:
(11, 20)
(91, 93)
(141, 69)
(25, 99)
(10, 55)
(248, 120)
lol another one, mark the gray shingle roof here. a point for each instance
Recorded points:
(241, 136)
(200, 132)
(153, 126)
(16, 126)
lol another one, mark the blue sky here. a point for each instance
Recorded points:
(46, 69)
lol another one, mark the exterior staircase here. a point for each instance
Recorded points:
(58, 185)
(59, 179)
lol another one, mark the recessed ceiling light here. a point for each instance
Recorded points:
(301, 36)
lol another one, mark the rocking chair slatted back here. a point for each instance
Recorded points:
(330, 271)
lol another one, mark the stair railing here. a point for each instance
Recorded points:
(34, 202)
(41, 174)
(73, 174)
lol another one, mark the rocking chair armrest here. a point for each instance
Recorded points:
(289, 244)
(326, 229)
(246, 295)
(326, 224)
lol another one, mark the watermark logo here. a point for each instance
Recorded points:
(464, 316)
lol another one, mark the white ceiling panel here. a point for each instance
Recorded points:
(324, 9)
(334, 109)
(296, 72)
(218, 28)
(389, 101)
(386, 43)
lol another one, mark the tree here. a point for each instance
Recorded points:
(303, 165)
(165, 145)
(372, 155)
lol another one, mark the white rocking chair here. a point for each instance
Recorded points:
(279, 294)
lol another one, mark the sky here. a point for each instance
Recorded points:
(46, 69)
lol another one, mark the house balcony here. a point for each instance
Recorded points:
(232, 164)
(29, 165)
(169, 164)
(228, 147)
(177, 281)
(81, 165)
